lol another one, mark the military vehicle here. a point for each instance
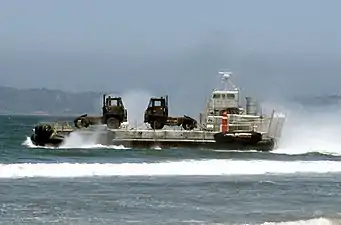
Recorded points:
(113, 114)
(156, 115)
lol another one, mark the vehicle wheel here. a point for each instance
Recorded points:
(78, 123)
(82, 122)
(188, 125)
(157, 125)
(113, 123)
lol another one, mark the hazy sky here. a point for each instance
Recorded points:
(275, 48)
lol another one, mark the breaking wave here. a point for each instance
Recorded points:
(180, 168)
(315, 221)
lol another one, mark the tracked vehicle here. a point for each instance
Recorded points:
(156, 115)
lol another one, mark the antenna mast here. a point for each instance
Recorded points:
(225, 80)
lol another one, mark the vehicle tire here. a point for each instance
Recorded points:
(82, 122)
(157, 125)
(188, 125)
(113, 123)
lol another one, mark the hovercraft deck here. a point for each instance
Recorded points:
(195, 139)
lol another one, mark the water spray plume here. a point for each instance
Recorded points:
(80, 140)
(310, 129)
(136, 101)
(77, 139)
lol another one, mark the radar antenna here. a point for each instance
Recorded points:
(225, 79)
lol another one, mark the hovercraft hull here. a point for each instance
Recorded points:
(167, 139)
(146, 139)
(262, 146)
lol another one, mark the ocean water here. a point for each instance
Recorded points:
(85, 183)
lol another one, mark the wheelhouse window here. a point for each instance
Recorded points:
(224, 96)
(230, 96)
(216, 95)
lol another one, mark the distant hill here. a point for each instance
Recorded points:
(47, 102)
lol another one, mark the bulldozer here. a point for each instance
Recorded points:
(113, 114)
(156, 115)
